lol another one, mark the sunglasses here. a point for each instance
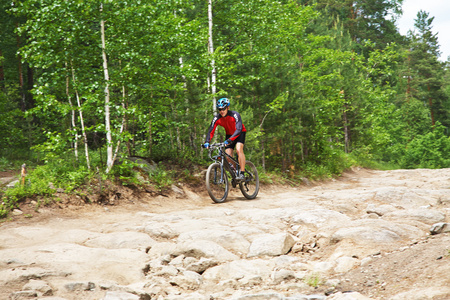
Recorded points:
(223, 108)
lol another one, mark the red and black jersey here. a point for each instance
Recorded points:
(232, 123)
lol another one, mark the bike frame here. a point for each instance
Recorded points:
(221, 157)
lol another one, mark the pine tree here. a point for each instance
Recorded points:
(426, 71)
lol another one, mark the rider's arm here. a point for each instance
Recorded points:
(238, 120)
(212, 129)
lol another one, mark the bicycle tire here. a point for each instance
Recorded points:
(250, 186)
(218, 191)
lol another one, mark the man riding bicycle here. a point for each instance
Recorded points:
(234, 129)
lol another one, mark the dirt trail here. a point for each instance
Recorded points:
(425, 262)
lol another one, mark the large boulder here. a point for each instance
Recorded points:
(271, 245)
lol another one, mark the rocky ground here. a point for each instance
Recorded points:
(366, 235)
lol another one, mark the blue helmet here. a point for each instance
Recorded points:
(223, 102)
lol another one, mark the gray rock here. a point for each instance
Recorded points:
(23, 295)
(380, 210)
(12, 184)
(167, 271)
(202, 265)
(323, 267)
(365, 234)
(248, 231)
(285, 261)
(124, 265)
(176, 189)
(271, 245)
(440, 228)
(427, 216)
(282, 275)
(229, 240)
(25, 274)
(239, 269)
(402, 196)
(345, 264)
(205, 249)
(177, 261)
(39, 286)
(122, 240)
(376, 231)
(160, 230)
(163, 249)
(79, 286)
(320, 218)
(188, 280)
(17, 212)
(190, 260)
(6, 180)
(250, 281)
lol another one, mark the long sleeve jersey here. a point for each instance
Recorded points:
(232, 123)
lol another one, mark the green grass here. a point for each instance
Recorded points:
(314, 280)
(42, 181)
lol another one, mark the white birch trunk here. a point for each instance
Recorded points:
(124, 119)
(75, 144)
(211, 51)
(109, 151)
(83, 131)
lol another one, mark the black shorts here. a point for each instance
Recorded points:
(239, 139)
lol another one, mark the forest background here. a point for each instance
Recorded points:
(321, 85)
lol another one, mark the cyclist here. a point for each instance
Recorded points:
(234, 130)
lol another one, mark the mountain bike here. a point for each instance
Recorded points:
(223, 166)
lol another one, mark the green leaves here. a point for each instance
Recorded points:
(430, 150)
(309, 81)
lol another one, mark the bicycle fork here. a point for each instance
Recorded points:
(221, 179)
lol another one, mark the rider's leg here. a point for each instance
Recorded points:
(229, 151)
(241, 155)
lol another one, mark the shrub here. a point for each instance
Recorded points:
(34, 185)
(430, 150)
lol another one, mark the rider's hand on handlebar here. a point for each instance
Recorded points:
(227, 142)
(205, 145)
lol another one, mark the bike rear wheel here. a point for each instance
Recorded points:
(250, 186)
(216, 184)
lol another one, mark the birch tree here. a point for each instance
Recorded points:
(83, 129)
(211, 52)
(109, 142)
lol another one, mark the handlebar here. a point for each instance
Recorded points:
(214, 146)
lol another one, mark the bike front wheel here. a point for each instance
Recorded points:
(217, 183)
(250, 186)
